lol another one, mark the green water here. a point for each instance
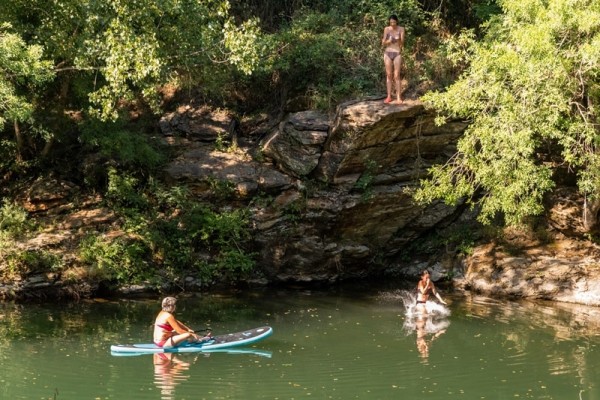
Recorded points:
(340, 345)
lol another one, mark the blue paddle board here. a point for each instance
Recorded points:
(225, 341)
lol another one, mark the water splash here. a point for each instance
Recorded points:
(434, 309)
(433, 321)
(425, 325)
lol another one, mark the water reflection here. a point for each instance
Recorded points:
(567, 333)
(427, 330)
(168, 372)
(428, 322)
(566, 321)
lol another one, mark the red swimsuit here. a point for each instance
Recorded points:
(167, 328)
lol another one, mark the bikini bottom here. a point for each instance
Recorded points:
(392, 54)
(163, 342)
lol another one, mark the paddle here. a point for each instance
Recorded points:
(208, 330)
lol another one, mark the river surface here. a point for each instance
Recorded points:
(336, 344)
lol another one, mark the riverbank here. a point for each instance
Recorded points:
(565, 270)
(554, 261)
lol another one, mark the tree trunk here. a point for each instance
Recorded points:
(590, 213)
(47, 147)
(19, 139)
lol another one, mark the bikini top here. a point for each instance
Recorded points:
(395, 36)
(166, 327)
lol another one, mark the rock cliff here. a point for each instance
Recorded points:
(328, 195)
(330, 199)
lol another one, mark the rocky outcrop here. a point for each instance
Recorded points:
(48, 195)
(296, 145)
(566, 271)
(210, 173)
(46, 265)
(202, 123)
(339, 189)
(552, 262)
(368, 136)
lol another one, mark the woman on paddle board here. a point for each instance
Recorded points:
(425, 288)
(168, 331)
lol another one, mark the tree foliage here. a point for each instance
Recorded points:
(126, 48)
(531, 85)
(23, 70)
(97, 58)
(326, 52)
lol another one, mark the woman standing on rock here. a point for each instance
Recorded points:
(393, 40)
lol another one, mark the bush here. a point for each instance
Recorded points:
(114, 141)
(121, 259)
(197, 230)
(172, 234)
(13, 219)
(124, 192)
(22, 263)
